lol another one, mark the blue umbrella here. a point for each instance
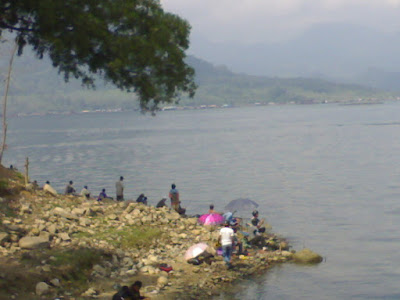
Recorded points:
(241, 204)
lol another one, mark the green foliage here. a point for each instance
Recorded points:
(132, 44)
(220, 86)
(129, 237)
(72, 265)
(37, 88)
(82, 258)
(3, 185)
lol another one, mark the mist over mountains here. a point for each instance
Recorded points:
(328, 63)
(339, 52)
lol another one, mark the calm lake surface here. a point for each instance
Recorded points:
(327, 177)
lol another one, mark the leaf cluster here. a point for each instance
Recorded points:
(132, 44)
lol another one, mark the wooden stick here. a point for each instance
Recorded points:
(8, 78)
(26, 170)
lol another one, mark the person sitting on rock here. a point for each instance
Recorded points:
(122, 294)
(35, 185)
(142, 199)
(102, 195)
(85, 193)
(257, 223)
(181, 210)
(49, 189)
(211, 210)
(161, 203)
(135, 291)
(69, 189)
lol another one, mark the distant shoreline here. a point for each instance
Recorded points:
(200, 107)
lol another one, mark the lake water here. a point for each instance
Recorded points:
(325, 176)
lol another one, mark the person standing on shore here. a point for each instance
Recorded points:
(119, 187)
(174, 197)
(226, 237)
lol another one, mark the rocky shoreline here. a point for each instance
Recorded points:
(64, 247)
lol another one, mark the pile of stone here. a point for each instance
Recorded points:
(45, 221)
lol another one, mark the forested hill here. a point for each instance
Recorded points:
(36, 87)
(219, 85)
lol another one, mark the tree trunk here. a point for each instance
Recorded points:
(7, 85)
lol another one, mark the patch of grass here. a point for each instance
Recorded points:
(7, 208)
(17, 280)
(81, 258)
(19, 176)
(129, 237)
(71, 265)
(3, 186)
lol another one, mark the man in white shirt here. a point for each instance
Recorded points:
(226, 237)
(49, 189)
(85, 193)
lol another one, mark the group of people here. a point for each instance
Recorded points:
(230, 236)
(119, 188)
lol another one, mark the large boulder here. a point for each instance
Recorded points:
(64, 236)
(306, 256)
(79, 211)
(58, 211)
(162, 281)
(42, 288)
(34, 242)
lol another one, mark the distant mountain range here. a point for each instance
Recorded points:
(336, 52)
(36, 87)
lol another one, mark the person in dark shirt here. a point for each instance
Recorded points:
(162, 203)
(102, 195)
(123, 294)
(257, 223)
(142, 199)
(69, 189)
(135, 291)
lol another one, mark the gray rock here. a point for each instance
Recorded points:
(52, 229)
(64, 236)
(78, 211)
(85, 222)
(162, 281)
(112, 217)
(25, 209)
(45, 235)
(13, 227)
(127, 261)
(42, 288)
(4, 237)
(58, 211)
(99, 270)
(34, 242)
(90, 293)
(55, 282)
(306, 256)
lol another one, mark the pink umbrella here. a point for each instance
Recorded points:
(195, 250)
(211, 219)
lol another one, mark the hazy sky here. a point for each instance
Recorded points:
(273, 20)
